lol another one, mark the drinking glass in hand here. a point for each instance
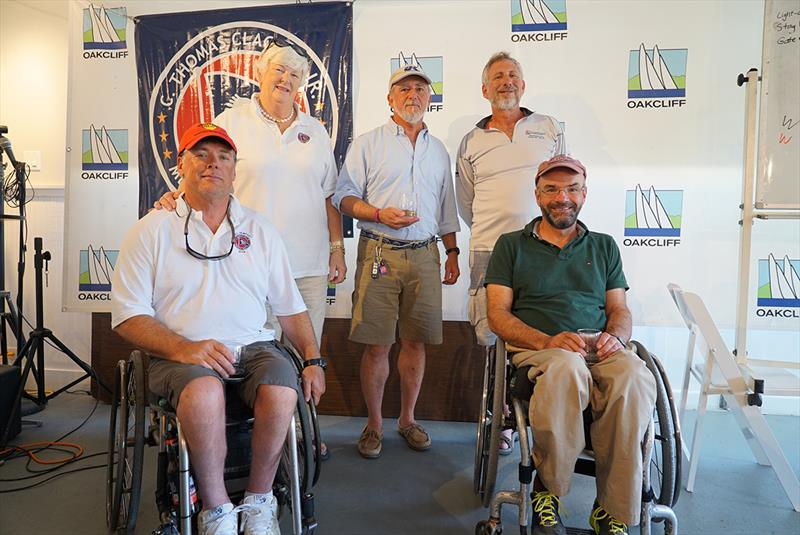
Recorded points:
(238, 351)
(408, 203)
(590, 338)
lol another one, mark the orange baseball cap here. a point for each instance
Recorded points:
(200, 131)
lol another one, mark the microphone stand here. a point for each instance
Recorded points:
(13, 318)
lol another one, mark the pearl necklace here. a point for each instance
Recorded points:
(269, 117)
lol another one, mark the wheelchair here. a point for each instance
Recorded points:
(176, 498)
(506, 386)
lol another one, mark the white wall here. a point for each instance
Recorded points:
(33, 103)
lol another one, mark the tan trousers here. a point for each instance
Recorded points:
(622, 393)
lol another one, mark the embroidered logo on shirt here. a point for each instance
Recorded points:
(303, 138)
(241, 241)
(534, 135)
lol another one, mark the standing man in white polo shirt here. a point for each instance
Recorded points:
(396, 181)
(495, 169)
(189, 284)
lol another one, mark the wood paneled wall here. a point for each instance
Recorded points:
(451, 390)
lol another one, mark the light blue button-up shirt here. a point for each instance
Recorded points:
(382, 164)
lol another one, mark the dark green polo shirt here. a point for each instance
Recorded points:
(556, 289)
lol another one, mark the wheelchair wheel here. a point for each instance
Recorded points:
(308, 444)
(125, 446)
(305, 451)
(665, 459)
(483, 428)
(486, 468)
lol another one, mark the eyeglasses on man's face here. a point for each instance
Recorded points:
(572, 190)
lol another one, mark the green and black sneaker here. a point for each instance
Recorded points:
(605, 524)
(546, 521)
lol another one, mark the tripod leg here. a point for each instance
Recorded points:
(85, 367)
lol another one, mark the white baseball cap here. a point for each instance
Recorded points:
(404, 72)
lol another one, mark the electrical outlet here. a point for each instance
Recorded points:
(33, 158)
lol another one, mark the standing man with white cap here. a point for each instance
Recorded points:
(396, 181)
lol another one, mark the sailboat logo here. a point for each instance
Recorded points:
(433, 66)
(538, 15)
(653, 213)
(778, 282)
(96, 269)
(104, 149)
(657, 73)
(104, 28)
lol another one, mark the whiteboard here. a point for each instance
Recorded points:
(778, 183)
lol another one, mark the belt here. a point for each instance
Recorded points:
(398, 244)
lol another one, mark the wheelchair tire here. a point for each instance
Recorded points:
(665, 458)
(111, 449)
(484, 423)
(678, 447)
(126, 446)
(496, 427)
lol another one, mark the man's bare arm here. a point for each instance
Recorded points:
(154, 337)
(618, 323)
(516, 332)
(300, 332)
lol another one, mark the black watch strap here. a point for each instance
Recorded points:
(320, 361)
(453, 250)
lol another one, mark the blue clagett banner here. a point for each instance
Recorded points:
(192, 66)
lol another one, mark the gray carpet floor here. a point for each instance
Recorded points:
(402, 492)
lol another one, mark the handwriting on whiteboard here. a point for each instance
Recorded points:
(788, 123)
(786, 26)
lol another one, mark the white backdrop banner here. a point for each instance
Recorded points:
(646, 91)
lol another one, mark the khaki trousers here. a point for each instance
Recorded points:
(622, 393)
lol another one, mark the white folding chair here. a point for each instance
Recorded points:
(739, 386)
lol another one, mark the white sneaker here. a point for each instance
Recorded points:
(260, 516)
(221, 520)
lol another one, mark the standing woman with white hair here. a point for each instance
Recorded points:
(286, 170)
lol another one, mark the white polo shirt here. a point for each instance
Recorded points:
(495, 176)
(201, 299)
(287, 178)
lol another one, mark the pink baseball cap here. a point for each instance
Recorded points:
(562, 160)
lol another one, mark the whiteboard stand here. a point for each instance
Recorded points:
(751, 211)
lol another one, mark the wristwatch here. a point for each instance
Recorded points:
(453, 250)
(320, 361)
